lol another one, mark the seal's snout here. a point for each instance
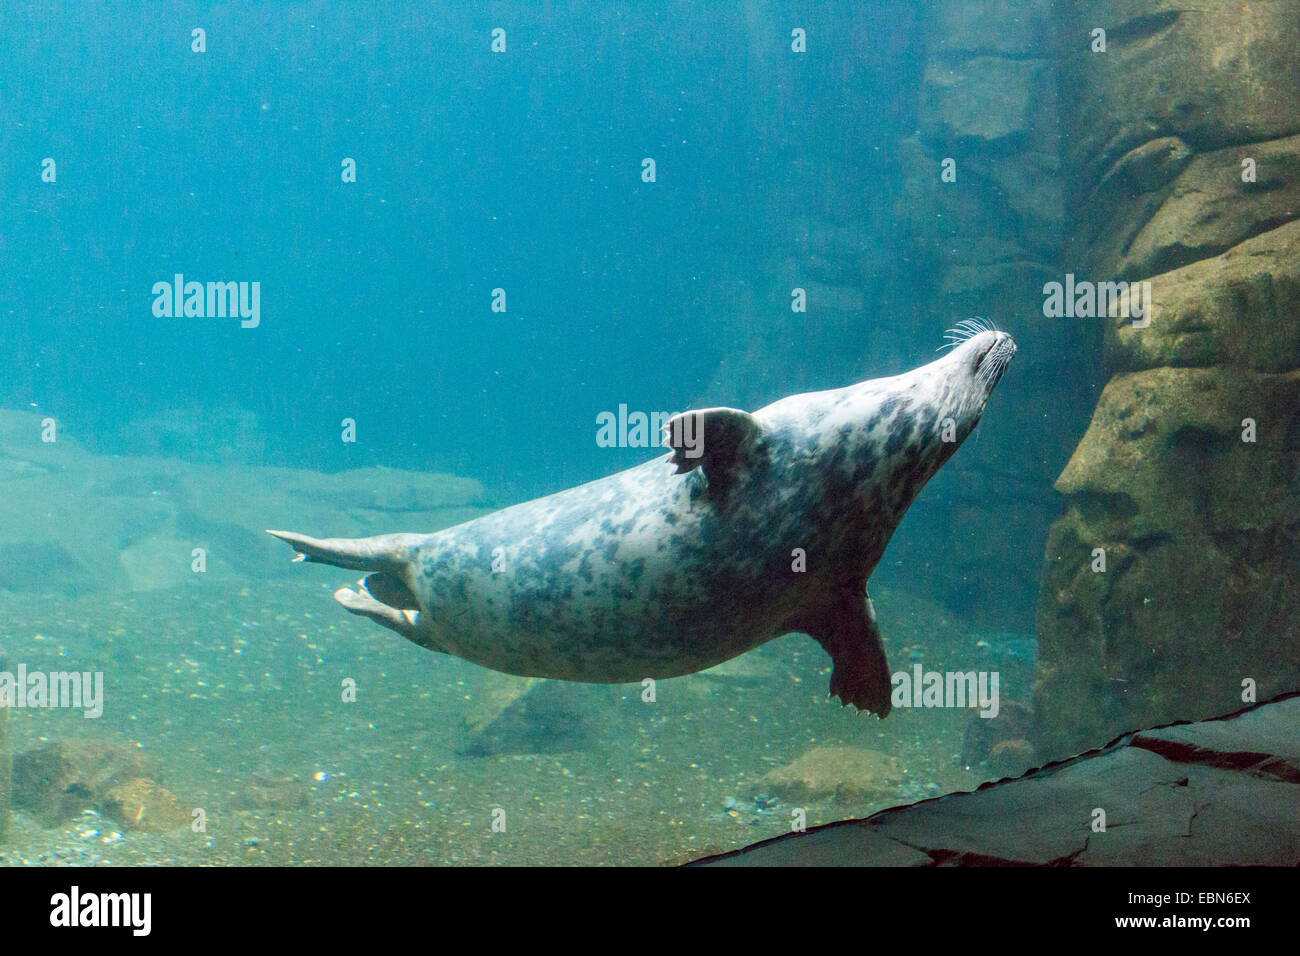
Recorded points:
(991, 353)
(995, 346)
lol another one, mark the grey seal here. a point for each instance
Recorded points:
(769, 525)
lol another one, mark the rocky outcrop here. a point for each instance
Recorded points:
(890, 255)
(1189, 180)
(988, 104)
(1219, 792)
(1212, 75)
(1209, 208)
(1199, 533)
(1238, 310)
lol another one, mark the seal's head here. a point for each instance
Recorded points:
(897, 432)
(970, 372)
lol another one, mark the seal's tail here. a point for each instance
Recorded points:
(385, 594)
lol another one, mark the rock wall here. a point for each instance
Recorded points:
(984, 245)
(1187, 476)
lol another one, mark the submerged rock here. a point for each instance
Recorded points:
(57, 780)
(72, 522)
(1212, 74)
(1238, 310)
(1202, 570)
(844, 774)
(143, 804)
(1185, 478)
(208, 433)
(1002, 741)
(1210, 208)
(493, 695)
(41, 567)
(747, 670)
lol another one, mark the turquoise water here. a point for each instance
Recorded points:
(475, 171)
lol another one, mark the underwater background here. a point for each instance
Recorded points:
(463, 259)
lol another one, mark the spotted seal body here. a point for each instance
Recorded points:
(770, 525)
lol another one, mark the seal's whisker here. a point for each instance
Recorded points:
(964, 330)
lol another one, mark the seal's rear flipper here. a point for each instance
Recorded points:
(362, 603)
(848, 632)
(390, 589)
(384, 595)
(385, 552)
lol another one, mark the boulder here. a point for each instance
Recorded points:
(512, 715)
(843, 774)
(59, 779)
(145, 805)
(1003, 742)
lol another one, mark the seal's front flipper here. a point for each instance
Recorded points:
(715, 440)
(860, 674)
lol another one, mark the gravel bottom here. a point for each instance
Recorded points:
(228, 686)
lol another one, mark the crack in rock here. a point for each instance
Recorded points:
(1264, 765)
